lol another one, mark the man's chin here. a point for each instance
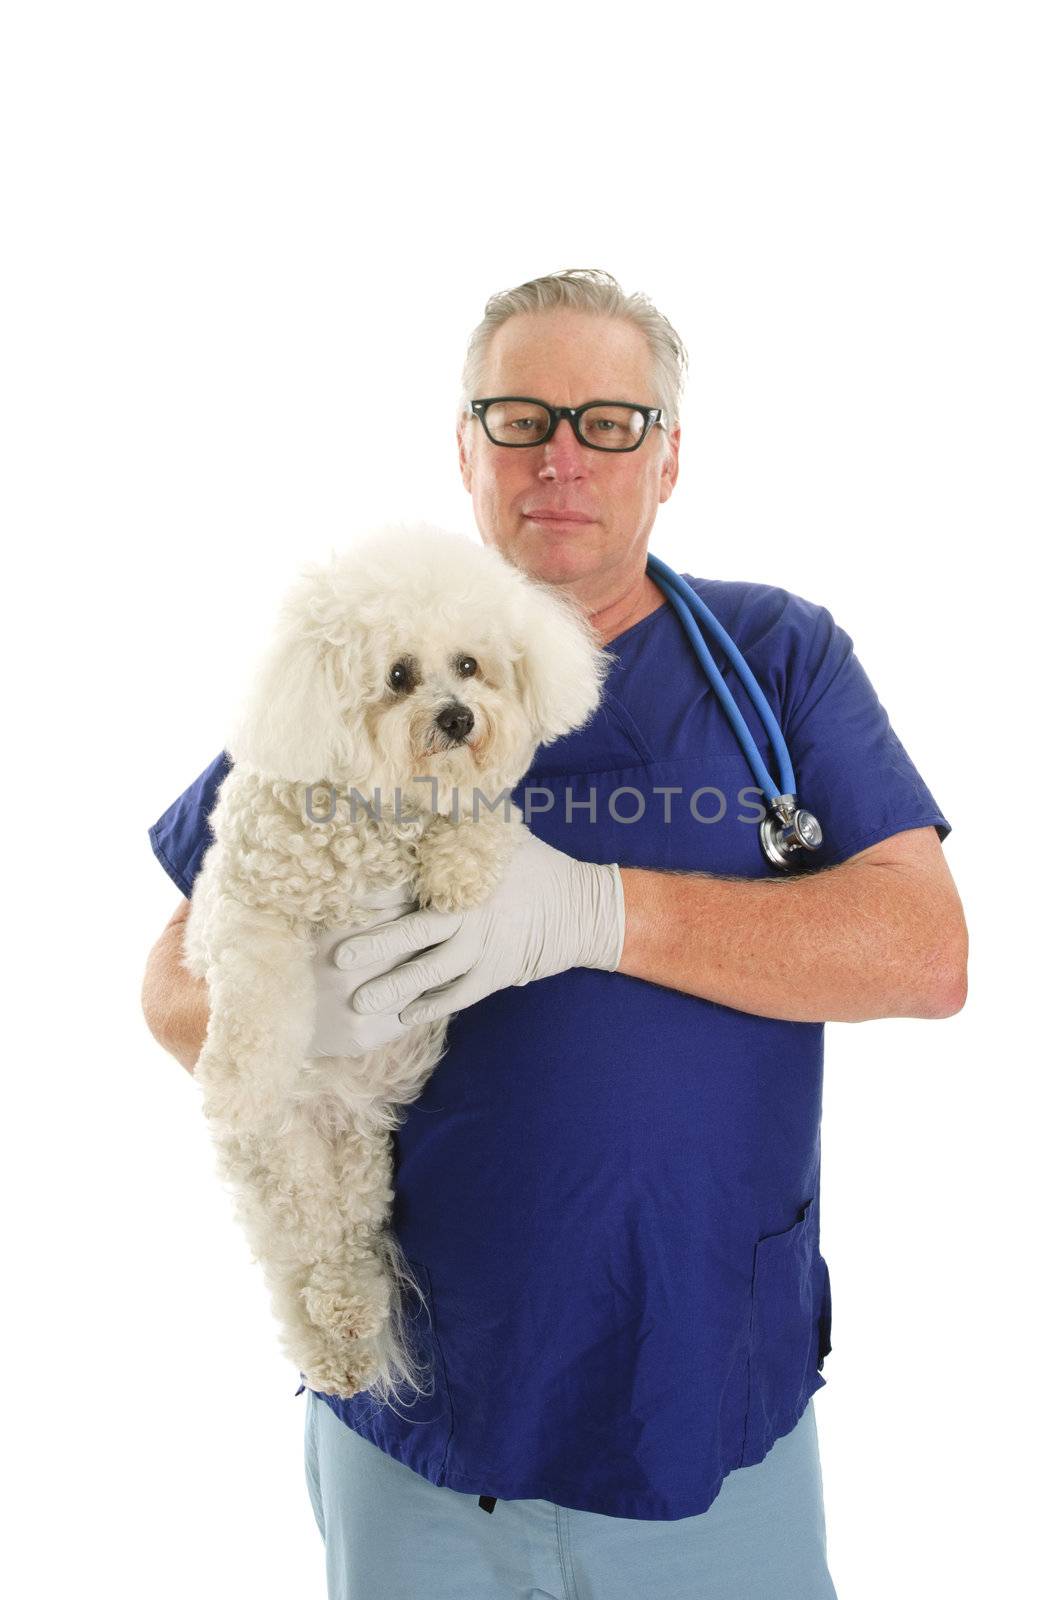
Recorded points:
(552, 557)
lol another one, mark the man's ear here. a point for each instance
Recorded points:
(464, 463)
(559, 666)
(670, 467)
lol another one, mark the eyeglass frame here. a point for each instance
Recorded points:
(651, 419)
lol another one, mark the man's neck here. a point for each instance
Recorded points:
(623, 610)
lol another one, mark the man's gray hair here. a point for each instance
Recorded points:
(585, 289)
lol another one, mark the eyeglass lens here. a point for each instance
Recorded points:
(615, 427)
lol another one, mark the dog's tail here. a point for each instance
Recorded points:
(402, 1377)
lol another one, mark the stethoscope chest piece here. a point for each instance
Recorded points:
(788, 832)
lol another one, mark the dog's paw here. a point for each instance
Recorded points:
(450, 897)
(451, 880)
(348, 1306)
(460, 865)
(331, 1368)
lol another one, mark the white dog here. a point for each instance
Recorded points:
(417, 656)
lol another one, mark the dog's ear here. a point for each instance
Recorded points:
(299, 718)
(559, 666)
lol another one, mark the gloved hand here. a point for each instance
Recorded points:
(338, 1029)
(548, 913)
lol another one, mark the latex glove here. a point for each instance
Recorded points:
(339, 1030)
(548, 913)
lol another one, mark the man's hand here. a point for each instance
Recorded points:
(548, 913)
(338, 1029)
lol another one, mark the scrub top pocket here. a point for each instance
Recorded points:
(786, 1333)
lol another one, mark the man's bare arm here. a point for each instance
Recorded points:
(881, 935)
(175, 1003)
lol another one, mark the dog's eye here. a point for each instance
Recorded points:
(401, 675)
(466, 666)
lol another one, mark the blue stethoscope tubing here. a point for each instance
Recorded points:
(685, 599)
(687, 605)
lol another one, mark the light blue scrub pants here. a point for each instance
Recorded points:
(391, 1535)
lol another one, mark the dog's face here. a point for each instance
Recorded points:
(418, 656)
(443, 698)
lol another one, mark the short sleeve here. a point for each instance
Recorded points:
(851, 769)
(181, 836)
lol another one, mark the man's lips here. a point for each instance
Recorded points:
(557, 516)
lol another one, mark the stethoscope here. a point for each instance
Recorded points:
(788, 832)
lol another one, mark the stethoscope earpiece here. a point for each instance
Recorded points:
(788, 833)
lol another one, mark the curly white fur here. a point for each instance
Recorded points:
(305, 1143)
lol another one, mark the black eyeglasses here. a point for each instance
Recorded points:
(517, 422)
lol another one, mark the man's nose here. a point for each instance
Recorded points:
(564, 451)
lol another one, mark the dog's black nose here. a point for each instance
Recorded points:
(456, 721)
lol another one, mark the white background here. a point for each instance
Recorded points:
(243, 241)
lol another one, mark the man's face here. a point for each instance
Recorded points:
(567, 358)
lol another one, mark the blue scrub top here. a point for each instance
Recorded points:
(609, 1191)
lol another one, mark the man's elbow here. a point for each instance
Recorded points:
(157, 1003)
(945, 994)
(174, 1003)
(951, 999)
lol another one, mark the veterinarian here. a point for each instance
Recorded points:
(610, 1188)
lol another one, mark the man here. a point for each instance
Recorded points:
(610, 1187)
